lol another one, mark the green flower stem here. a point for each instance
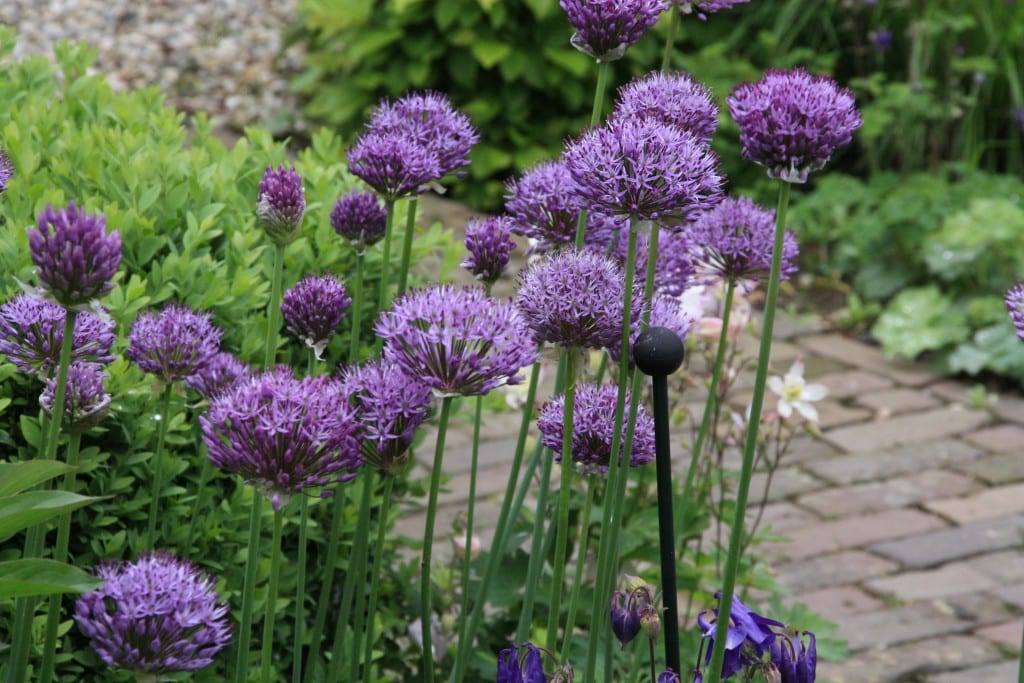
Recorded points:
(60, 554)
(274, 308)
(467, 556)
(327, 583)
(359, 582)
(205, 472)
(670, 38)
(581, 559)
(385, 264)
(266, 675)
(426, 606)
(158, 465)
(714, 669)
(300, 590)
(410, 228)
(595, 117)
(249, 589)
(536, 550)
(357, 311)
(371, 612)
(21, 642)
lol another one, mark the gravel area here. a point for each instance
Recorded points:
(219, 56)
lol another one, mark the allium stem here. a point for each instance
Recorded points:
(204, 478)
(268, 620)
(385, 262)
(164, 415)
(327, 582)
(371, 612)
(274, 308)
(249, 589)
(603, 67)
(358, 584)
(300, 590)
(467, 557)
(581, 560)
(670, 38)
(410, 228)
(714, 668)
(356, 310)
(536, 550)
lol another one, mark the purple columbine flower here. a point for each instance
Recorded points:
(6, 171)
(157, 615)
(669, 676)
(173, 344)
(281, 204)
(75, 257)
(459, 342)
(314, 308)
(795, 662)
(666, 311)
(702, 8)
(1015, 304)
(645, 169)
(391, 406)
(593, 429)
(737, 238)
(217, 375)
(626, 611)
(605, 29)
(675, 98)
(575, 298)
(791, 122)
(521, 664)
(85, 401)
(283, 435)
(882, 39)
(391, 164)
(32, 330)
(749, 637)
(490, 245)
(359, 218)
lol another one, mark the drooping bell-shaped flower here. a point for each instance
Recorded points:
(748, 638)
(796, 662)
(521, 664)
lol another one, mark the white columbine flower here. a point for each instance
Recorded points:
(796, 394)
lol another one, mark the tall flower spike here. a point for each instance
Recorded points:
(792, 122)
(428, 119)
(521, 664)
(6, 171)
(459, 342)
(1015, 304)
(605, 29)
(702, 8)
(314, 308)
(675, 98)
(359, 218)
(217, 375)
(85, 401)
(157, 615)
(75, 257)
(173, 344)
(490, 245)
(281, 204)
(645, 169)
(283, 435)
(750, 636)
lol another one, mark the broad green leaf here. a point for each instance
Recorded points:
(15, 477)
(490, 52)
(28, 509)
(918, 320)
(23, 578)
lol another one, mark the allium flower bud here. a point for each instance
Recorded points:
(605, 29)
(1015, 304)
(750, 636)
(217, 375)
(157, 615)
(85, 401)
(490, 245)
(675, 98)
(75, 257)
(703, 8)
(314, 308)
(791, 122)
(281, 204)
(173, 344)
(359, 218)
(520, 664)
(6, 171)
(737, 238)
(795, 663)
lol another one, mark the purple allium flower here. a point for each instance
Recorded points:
(705, 7)
(737, 238)
(1015, 304)
(283, 435)
(314, 308)
(645, 169)
(85, 401)
(490, 245)
(593, 429)
(391, 164)
(750, 636)
(359, 218)
(796, 663)
(791, 122)
(32, 330)
(675, 98)
(281, 204)
(428, 119)
(217, 375)
(6, 171)
(75, 257)
(605, 29)
(676, 266)
(666, 311)
(457, 341)
(669, 676)
(173, 344)
(157, 615)
(521, 664)
(390, 405)
(575, 298)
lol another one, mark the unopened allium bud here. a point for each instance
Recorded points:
(281, 204)
(314, 308)
(359, 218)
(6, 171)
(490, 245)
(85, 401)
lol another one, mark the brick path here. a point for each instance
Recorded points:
(904, 523)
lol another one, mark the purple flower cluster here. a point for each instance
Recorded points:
(676, 263)
(359, 218)
(676, 99)
(666, 311)
(490, 245)
(157, 615)
(173, 344)
(32, 330)
(218, 374)
(314, 308)
(593, 429)
(283, 434)
(749, 637)
(705, 7)
(1015, 304)
(521, 664)
(75, 257)
(281, 204)
(457, 341)
(85, 401)
(6, 171)
(791, 122)
(737, 238)
(605, 29)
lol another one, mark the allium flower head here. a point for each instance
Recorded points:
(75, 257)
(281, 204)
(791, 122)
(359, 218)
(575, 298)
(795, 662)
(391, 164)
(428, 119)
(459, 342)
(675, 98)
(490, 245)
(605, 29)
(666, 311)
(390, 405)
(521, 664)
(283, 435)
(32, 330)
(1015, 304)
(85, 401)
(749, 637)
(593, 429)
(676, 265)
(173, 344)
(314, 308)
(218, 374)
(6, 171)
(703, 8)
(645, 169)
(157, 615)
(737, 238)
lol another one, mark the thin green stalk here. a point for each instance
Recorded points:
(670, 38)
(536, 554)
(410, 228)
(371, 612)
(60, 554)
(300, 591)
(357, 311)
(266, 675)
(714, 669)
(327, 583)
(249, 589)
(467, 557)
(359, 583)
(205, 472)
(158, 464)
(595, 117)
(274, 308)
(577, 580)
(385, 266)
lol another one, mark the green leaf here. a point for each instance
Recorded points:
(490, 52)
(17, 476)
(23, 578)
(918, 320)
(28, 509)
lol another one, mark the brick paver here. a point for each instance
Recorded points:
(853, 532)
(891, 493)
(994, 502)
(884, 464)
(936, 547)
(1005, 437)
(951, 579)
(906, 429)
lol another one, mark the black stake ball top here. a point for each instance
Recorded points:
(658, 351)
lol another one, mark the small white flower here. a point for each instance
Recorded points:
(796, 394)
